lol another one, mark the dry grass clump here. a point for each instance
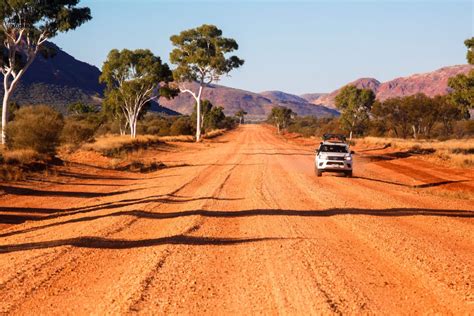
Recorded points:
(140, 166)
(177, 138)
(113, 146)
(15, 164)
(214, 133)
(21, 156)
(455, 152)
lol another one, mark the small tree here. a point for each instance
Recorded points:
(448, 113)
(355, 105)
(281, 116)
(240, 115)
(134, 79)
(79, 108)
(462, 94)
(25, 27)
(463, 85)
(470, 50)
(35, 127)
(200, 56)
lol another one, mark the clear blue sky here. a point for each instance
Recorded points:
(293, 46)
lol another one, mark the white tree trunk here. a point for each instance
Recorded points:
(198, 114)
(132, 121)
(197, 98)
(6, 98)
(9, 87)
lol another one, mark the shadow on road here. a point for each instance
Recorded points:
(107, 243)
(416, 186)
(34, 192)
(391, 212)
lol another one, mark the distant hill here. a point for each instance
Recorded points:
(258, 106)
(312, 97)
(60, 81)
(430, 83)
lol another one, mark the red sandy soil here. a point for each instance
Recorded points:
(240, 225)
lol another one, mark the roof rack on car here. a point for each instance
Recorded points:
(339, 138)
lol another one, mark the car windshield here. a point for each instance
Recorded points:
(333, 149)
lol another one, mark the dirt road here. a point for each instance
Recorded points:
(242, 225)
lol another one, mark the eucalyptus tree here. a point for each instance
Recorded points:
(281, 116)
(26, 25)
(355, 105)
(240, 115)
(200, 56)
(133, 80)
(462, 85)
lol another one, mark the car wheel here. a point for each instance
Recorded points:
(319, 173)
(349, 174)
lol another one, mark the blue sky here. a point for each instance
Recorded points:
(293, 46)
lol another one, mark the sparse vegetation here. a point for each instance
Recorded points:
(355, 105)
(200, 56)
(37, 128)
(77, 132)
(26, 27)
(459, 153)
(134, 79)
(281, 116)
(312, 126)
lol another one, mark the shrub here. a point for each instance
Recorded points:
(156, 125)
(35, 127)
(182, 126)
(77, 132)
(21, 156)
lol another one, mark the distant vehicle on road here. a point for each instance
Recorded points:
(333, 155)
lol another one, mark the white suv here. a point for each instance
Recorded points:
(334, 155)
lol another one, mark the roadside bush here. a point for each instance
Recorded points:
(182, 126)
(155, 125)
(35, 127)
(312, 126)
(77, 132)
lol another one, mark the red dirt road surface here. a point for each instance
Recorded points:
(241, 225)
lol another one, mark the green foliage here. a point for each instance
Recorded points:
(470, 50)
(77, 132)
(414, 115)
(36, 21)
(132, 78)
(281, 116)
(240, 114)
(214, 118)
(462, 94)
(200, 54)
(182, 126)
(35, 127)
(49, 17)
(156, 125)
(81, 108)
(355, 105)
(313, 126)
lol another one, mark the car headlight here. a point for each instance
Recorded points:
(348, 158)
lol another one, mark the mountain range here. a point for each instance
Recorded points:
(430, 83)
(62, 80)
